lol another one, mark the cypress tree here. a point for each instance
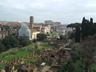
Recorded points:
(83, 28)
(77, 34)
(92, 28)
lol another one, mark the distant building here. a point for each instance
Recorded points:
(29, 30)
(25, 31)
(46, 29)
(51, 23)
(37, 27)
(3, 32)
(34, 35)
(62, 29)
(48, 22)
(3, 22)
(13, 27)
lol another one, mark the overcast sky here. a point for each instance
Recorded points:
(65, 11)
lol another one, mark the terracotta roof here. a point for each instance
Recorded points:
(12, 24)
(34, 30)
(37, 25)
(3, 22)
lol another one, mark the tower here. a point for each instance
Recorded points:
(31, 22)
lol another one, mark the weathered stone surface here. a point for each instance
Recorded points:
(35, 70)
(3, 70)
(45, 69)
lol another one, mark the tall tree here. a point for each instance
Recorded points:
(2, 47)
(77, 34)
(41, 37)
(24, 41)
(74, 25)
(92, 27)
(84, 28)
(10, 42)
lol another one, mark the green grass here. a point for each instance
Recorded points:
(47, 46)
(93, 67)
(3, 65)
(54, 33)
(23, 53)
(31, 45)
(44, 44)
(34, 60)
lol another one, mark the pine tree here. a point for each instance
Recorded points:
(85, 28)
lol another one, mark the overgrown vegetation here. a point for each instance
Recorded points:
(41, 37)
(24, 53)
(84, 29)
(12, 41)
(82, 60)
(83, 55)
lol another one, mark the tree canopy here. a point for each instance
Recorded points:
(41, 37)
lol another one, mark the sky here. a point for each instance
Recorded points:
(65, 11)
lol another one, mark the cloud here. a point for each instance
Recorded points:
(66, 11)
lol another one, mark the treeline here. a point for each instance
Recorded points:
(83, 55)
(83, 30)
(88, 28)
(12, 41)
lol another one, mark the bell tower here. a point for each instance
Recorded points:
(31, 22)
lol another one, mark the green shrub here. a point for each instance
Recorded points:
(41, 37)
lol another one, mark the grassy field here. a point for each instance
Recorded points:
(31, 45)
(24, 53)
(54, 33)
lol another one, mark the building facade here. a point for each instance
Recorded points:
(62, 29)
(25, 31)
(46, 29)
(31, 31)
